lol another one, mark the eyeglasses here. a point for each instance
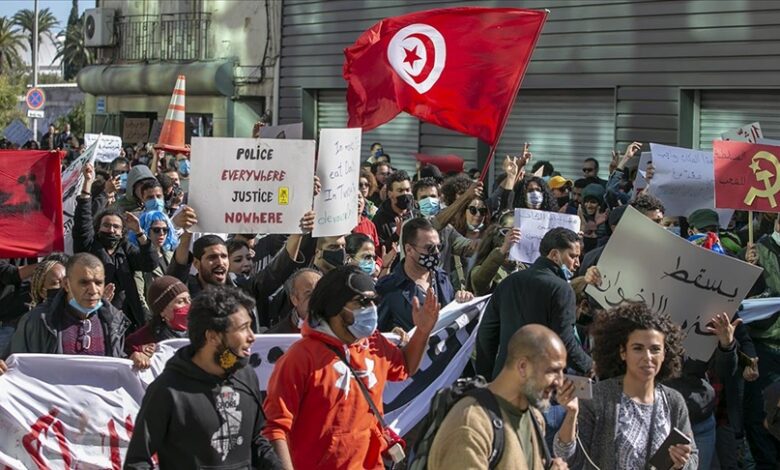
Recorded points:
(588, 170)
(473, 210)
(159, 230)
(430, 249)
(83, 340)
(109, 226)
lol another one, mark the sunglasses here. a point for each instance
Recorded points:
(83, 339)
(473, 210)
(364, 185)
(431, 248)
(159, 230)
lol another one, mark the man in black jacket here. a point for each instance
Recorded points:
(105, 238)
(204, 410)
(539, 294)
(396, 209)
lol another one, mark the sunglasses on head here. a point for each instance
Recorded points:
(473, 210)
(159, 230)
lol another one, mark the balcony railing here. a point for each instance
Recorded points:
(170, 37)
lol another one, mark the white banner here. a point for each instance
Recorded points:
(60, 411)
(535, 224)
(338, 164)
(684, 181)
(72, 181)
(748, 133)
(110, 146)
(643, 262)
(240, 185)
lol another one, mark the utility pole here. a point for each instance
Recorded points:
(34, 55)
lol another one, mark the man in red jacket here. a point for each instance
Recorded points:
(317, 415)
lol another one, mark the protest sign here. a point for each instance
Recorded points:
(748, 133)
(640, 182)
(643, 262)
(17, 133)
(135, 130)
(242, 185)
(282, 131)
(338, 164)
(110, 147)
(747, 176)
(534, 224)
(30, 204)
(684, 181)
(72, 181)
(59, 411)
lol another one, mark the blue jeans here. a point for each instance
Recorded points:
(553, 420)
(6, 332)
(704, 435)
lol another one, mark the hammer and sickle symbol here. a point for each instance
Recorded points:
(764, 176)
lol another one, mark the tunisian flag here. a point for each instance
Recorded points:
(30, 203)
(458, 68)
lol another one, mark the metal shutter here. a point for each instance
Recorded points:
(435, 140)
(722, 111)
(399, 137)
(563, 127)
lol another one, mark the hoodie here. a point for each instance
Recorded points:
(192, 419)
(315, 404)
(128, 202)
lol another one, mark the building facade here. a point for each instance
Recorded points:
(604, 73)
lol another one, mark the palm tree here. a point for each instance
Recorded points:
(25, 19)
(11, 42)
(73, 50)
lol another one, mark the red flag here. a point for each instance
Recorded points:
(458, 68)
(445, 163)
(30, 203)
(747, 176)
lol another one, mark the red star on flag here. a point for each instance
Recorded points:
(411, 56)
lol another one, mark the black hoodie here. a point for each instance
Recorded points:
(194, 420)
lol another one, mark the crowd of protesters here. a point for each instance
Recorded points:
(139, 276)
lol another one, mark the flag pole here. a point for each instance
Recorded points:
(750, 228)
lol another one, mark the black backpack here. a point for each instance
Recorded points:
(444, 400)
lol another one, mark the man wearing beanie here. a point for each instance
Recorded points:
(703, 221)
(318, 415)
(169, 301)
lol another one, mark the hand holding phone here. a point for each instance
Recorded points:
(583, 386)
(662, 460)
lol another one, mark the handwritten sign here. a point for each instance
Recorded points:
(749, 133)
(645, 263)
(72, 182)
(534, 225)
(639, 181)
(135, 130)
(338, 164)
(747, 176)
(282, 131)
(109, 148)
(243, 185)
(684, 181)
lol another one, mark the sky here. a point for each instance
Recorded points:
(60, 8)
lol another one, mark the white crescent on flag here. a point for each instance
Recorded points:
(417, 54)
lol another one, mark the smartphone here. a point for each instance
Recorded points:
(662, 460)
(583, 386)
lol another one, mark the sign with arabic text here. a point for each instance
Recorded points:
(110, 146)
(534, 225)
(645, 263)
(747, 176)
(747, 133)
(684, 181)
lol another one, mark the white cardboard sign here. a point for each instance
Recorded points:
(338, 166)
(535, 224)
(748, 133)
(110, 146)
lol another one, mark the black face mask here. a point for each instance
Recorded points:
(334, 258)
(50, 293)
(108, 240)
(228, 360)
(404, 201)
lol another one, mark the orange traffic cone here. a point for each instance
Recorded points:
(172, 133)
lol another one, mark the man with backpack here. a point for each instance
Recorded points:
(472, 435)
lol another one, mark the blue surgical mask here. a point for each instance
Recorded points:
(154, 204)
(367, 266)
(85, 311)
(567, 274)
(184, 167)
(366, 321)
(534, 198)
(429, 206)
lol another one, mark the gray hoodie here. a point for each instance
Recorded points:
(128, 202)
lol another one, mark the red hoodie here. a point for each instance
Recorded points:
(313, 403)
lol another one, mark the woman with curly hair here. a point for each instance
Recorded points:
(631, 413)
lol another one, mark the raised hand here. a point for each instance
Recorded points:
(511, 238)
(307, 222)
(133, 223)
(721, 327)
(186, 218)
(593, 276)
(109, 291)
(425, 317)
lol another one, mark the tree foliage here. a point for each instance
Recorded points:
(10, 92)
(11, 43)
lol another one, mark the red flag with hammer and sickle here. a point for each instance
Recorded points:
(458, 68)
(747, 176)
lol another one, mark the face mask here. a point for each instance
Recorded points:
(334, 257)
(50, 293)
(429, 261)
(184, 167)
(474, 228)
(179, 320)
(674, 230)
(366, 320)
(228, 360)
(109, 241)
(567, 274)
(429, 206)
(154, 205)
(299, 323)
(403, 201)
(84, 310)
(367, 266)
(534, 198)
